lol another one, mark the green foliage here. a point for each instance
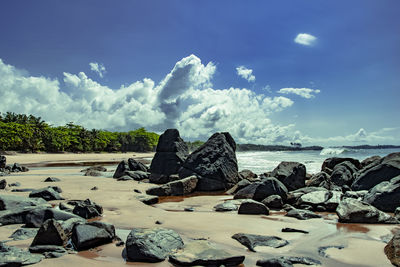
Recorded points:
(194, 145)
(29, 133)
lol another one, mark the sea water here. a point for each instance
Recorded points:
(264, 161)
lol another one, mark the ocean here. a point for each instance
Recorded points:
(264, 161)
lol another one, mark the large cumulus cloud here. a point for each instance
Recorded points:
(184, 99)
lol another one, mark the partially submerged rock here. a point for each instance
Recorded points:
(10, 202)
(151, 245)
(13, 256)
(251, 241)
(203, 253)
(93, 234)
(250, 206)
(229, 205)
(287, 261)
(302, 214)
(47, 193)
(24, 233)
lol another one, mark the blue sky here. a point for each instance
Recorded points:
(354, 61)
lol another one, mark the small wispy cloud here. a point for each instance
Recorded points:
(305, 39)
(303, 92)
(246, 73)
(98, 68)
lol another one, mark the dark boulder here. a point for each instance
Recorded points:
(87, 209)
(151, 245)
(329, 200)
(3, 184)
(8, 202)
(287, 261)
(148, 200)
(175, 188)
(214, 163)
(248, 175)
(37, 216)
(273, 202)
(203, 253)
(293, 230)
(250, 206)
(130, 167)
(135, 165)
(3, 162)
(374, 160)
(51, 179)
(24, 233)
(317, 179)
(341, 175)
(302, 214)
(18, 168)
(251, 241)
(49, 251)
(330, 163)
(260, 190)
(12, 256)
(47, 194)
(50, 233)
(385, 196)
(93, 234)
(392, 249)
(229, 205)
(373, 176)
(351, 210)
(291, 174)
(171, 152)
(95, 168)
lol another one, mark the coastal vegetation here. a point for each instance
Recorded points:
(28, 133)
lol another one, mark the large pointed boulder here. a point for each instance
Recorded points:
(171, 152)
(291, 174)
(214, 163)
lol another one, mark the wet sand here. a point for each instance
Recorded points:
(362, 243)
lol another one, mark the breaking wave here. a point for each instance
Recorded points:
(334, 151)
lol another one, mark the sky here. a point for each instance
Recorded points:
(269, 72)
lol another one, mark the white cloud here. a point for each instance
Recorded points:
(184, 99)
(245, 73)
(98, 68)
(305, 39)
(303, 92)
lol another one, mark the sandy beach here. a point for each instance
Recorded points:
(362, 244)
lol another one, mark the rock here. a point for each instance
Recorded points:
(273, 202)
(95, 168)
(329, 200)
(151, 245)
(93, 234)
(148, 200)
(385, 196)
(121, 169)
(214, 163)
(397, 213)
(137, 166)
(293, 230)
(251, 241)
(3, 184)
(52, 179)
(22, 190)
(13, 256)
(171, 152)
(317, 179)
(24, 233)
(250, 206)
(287, 261)
(240, 185)
(15, 216)
(88, 209)
(203, 253)
(94, 188)
(18, 168)
(380, 173)
(375, 160)
(190, 209)
(302, 214)
(8, 202)
(65, 207)
(260, 190)
(330, 163)
(351, 210)
(291, 174)
(47, 194)
(248, 175)
(15, 184)
(355, 194)
(392, 249)
(50, 233)
(125, 178)
(93, 173)
(229, 205)
(37, 216)
(3, 161)
(341, 175)
(68, 225)
(49, 251)
(138, 175)
(175, 188)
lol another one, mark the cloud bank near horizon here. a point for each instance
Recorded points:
(185, 99)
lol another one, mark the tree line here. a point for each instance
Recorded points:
(28, 133)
